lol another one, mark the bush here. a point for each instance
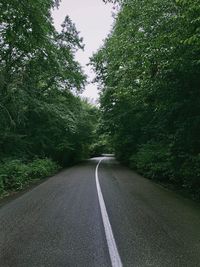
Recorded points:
(190, 171)
(15, 174)
(153, 160)
(1, 186)
(41, 168)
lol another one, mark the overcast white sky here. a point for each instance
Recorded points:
(93, 19)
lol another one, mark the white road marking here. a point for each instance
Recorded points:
(112, 247)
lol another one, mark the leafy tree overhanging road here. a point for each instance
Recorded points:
(149, 76)
(148, 73)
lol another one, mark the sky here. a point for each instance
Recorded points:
(93, 19)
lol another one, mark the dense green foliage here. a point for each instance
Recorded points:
(40, 111)
(101, 142)
(149, 75)
(15, 174)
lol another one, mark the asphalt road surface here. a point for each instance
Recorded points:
(127, 221)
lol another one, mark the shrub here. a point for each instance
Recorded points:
(190, 171)
(41, 168)
(1, 185)
(153, 160)
(15, 174)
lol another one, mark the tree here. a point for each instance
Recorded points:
(41, 114)
(148, 72)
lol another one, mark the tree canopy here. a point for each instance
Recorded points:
(41, 114)
(148, 74)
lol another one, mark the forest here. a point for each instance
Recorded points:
(148, 75)
(44, 124)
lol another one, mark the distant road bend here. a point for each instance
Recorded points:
(99, 213)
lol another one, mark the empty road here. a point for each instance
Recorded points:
(99, 213)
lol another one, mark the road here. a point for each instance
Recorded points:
(62, 222)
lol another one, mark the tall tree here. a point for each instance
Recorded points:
(41, 114)
(148, 72)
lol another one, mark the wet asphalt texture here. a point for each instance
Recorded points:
(58, 223)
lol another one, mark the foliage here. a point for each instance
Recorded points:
(101, 140)
(101, 146)
(154, 160)
(148, 72)
(41, 114)
(15, 174)
(191, 179)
